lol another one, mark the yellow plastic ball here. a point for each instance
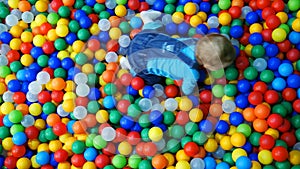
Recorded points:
(248, 49)
(33, 144)
(69, 142)
(256, 27)
(35, 109)
(89, 165)
(279, 35)
(273, 132)
(69, 95)
(120, 10)
(62, 30)
(102, 116)
(62, 54)
(181, 156)
(232, 130)
(62, 21)
(202, 15)
(196, 115)
(7, 107)
(255, 165)
(294, 157)
(115, 33)
(10, 77)
(34, 164)
(7, 143)
(13, 3)
(282, 16)
(182, 165)
(26, 60)
(40, 124)
(265, 157)
(52, 36)
(41, 6)
(238, 153)
(55, 145)
(78, 46)
(23, 24)
(23, 163)
(64, 165)
(225, 18)
(218, 137)
(100, 54)
(68, 105)
(94, 29)
(177, 17)
(124, 148)
(171, 167)
(26, 37)
(211, 145)
(15, 44)
(39, 40)
(101, 81)
(16, 31)
(296, 25)
(225, 117)
(225, 143)
(185, 104)
(40, 19)
(43, 147)
(195, 20)
(170, 158)
(89, 54)
(2, 88)
(190, 8)
(238, 139)
(155, 134)
(70, 86)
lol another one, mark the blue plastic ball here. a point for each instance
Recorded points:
(79, 14)
(85, 22)
(67, 63)
(213, 30)
(285, 69)
(252, 17)
(148, 92)
(71, 38)
(205, 7)
(253, 157)
(7, 122)
(14, 85)
(42, 158)
(54, 62)
(162, 126)
(109, 102)
(35, 52)
(210, 163)
(155, 117)
(278, 84)
(159, 5)
(104, 36)
(247, 147)
(5, 37)
(90, 3)
(94, 94)
(171, 28)
(243, 162)
(294, 37)
(137, 128)
(19, 138)
(223, 165)
(236, 118)
(293, 81)
(241, 101)
(206, 126)
(195, 100)
(53, 162)
(255, 39)
(201, 29)
(90, 154)
(136, 22)
(236, 31)
(243, 86)
(222, 127)
(130, 90)
(35, 66)
(183, 28)
(219, 153)
(70, 125)
(127, 122)
(271, 50)
(259, 13)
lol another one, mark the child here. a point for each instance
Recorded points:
(152, 55)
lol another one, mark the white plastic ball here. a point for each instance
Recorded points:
(17, 13)
(80, 112)
(260, 64)
(8, 96)
(11, 20)
(171, 104)
(61, 112)
(35, 87)
(228, 106)
(158, 107)
(27, 17)
(124, 41)
(31, 97)
(28, 120)
(82, 90)
(145, 104)
(104, 24)
(80, 78)
(111, 57)
(213, 22)
(197, 163)
(43, 77)
(3, 60)
(108, 134)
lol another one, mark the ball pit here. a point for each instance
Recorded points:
(68, 100)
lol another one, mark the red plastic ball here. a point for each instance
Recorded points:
(26, 47)
(260, 87)
(18, 151)
(44, 97)
(289, 138)
(50, 71)
(121, 135)
(296, 105)
(45, 27)
(78, 160)
(112, 46)
(48, 47)
(10, 162)
(57, 96)
(271, 97)
(133, 4)
(32, 132)
(261, 4)
(191, 149)
(284, 46)
(278, 5)
(133, 137)
(110, 149)
(149, 149)
(137, 83)
(205, 96)
(19, 97)
(13, 55)
(255, 98)
(182, 117)
(126, 79)
(56, 4)
(102, 160)
(59, 128)
(267, 35)
(289, 94)
(266, 12)
(1, 120)
(94, 17)
(93, 44)
(123, 105)
(275, 121)
(47, 166)
(244, 40)
(293, 55)
(82, 101)
(266, 142)
(60, 155)
(241, 62)
(280, 154)
(253, 5)
(273, 21)
(285, 126)
(235, 12)
(144, 6)
(171, 91)
(139, 148)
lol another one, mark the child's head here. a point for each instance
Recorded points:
(214, 52)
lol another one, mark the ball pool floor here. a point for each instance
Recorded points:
(65, 101)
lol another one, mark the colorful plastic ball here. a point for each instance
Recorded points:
(191, 149)
(292, 81)
(19, 138)
(126, 122)
(236, 31)
(285, 69)
(243, 163)
(155, 134)
(222, 127)
(236, 118)
(265, 157)
(210, 163)
(278, 84)
(275, 120)
(280, 153)
(42, 158)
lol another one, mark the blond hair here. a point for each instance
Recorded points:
(215, 52)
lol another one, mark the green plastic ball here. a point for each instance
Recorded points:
(177, 131)
(42, 60)
(258, 51)
(134, 110)
(83, 34)
(230, 90)
(99, 142)
(49, 134)
(217, 73)
(293, 5)
(89, 140)
(100, 68)
(215, 9)
(110, 89)
(4, 132)
(169, 9)
(78, 147)
(99, 8)
(49, 108)
(4, 71)
(125, 27)
(254, 138)
(169, 118)
(218, 90)
(224, 4)
(78, 4)
(81, 58)
(199, 137)
(16, 128)
(231, 73)
(93, 107)
(119, 161)
(228, 158)
(60, 72)
(74, 26)
(173, 145)
(250, 73)
(42, 136)
(279, 109)
(87, 9)
(283, 165)
(185, 140)
(64, 11)
(134, 160)
(145, 164)
(15, 116)
(145, 134)
(93, 79)
(114, 116)
(60, 44)
(53, 18)
(244, 129)
(191, 128)
(266, 76)
(144, 121)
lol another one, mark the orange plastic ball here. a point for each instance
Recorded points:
(52, 119)
(260, 125)
(249, 115)
(262, 111)
(58, 84)
(108, 76)
(159, 161)
(79, 127)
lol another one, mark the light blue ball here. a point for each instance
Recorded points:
(278, 84)
(42, 158)
(243, 162)
(136, 22)
(197, 163)
(223, 165)
(19, 138)
(210, 163)
(285, 69)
